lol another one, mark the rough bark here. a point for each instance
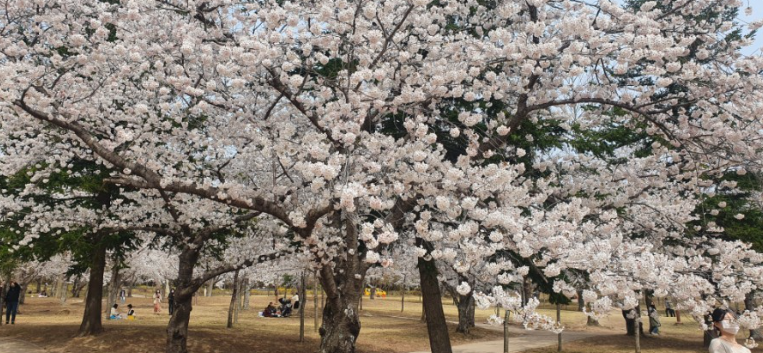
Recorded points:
(91, 319)
(177, 329)
(341, 324)
(233, 300)
(465, 313)
(439, 338)
(581, 302)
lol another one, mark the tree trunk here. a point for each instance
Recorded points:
(315, 300)
(114, 285)
(558, 323)
(210, 286)
(303, 301)
(233, 300)
(24, 287)
(52, 293)
(78, 290)
(75, 284)
(341, 324)
(636, 326)
(63, 291)
(465, 313)
(590, 321)
(129, 289)
(91, 319)
(247, 293)
(439, 338)
(402, 300)
(372, 292)
(177, 329)
(3, 290)
(581, 302)
(38, 285)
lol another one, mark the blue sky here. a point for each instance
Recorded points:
(757, 13)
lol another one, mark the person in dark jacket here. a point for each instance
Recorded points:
(171, 301)
(12, 302)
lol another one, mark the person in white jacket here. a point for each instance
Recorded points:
(725, 322)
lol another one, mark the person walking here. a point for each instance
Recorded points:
(725, 322)
(122, 295)
(171, 301)
(157, 302)
(12, 303)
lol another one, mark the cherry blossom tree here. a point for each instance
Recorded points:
(337, 119)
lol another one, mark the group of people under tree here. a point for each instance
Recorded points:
(285, 309)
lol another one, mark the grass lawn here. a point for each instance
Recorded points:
(384, 329)
(48, 324)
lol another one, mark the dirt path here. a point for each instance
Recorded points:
(14, 345)
(520, 340)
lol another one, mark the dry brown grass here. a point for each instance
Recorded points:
(48, 324)
(384, 329)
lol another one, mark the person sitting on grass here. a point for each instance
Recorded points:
(270, 311)
(130, 312)
(115, 315)
(725, 322)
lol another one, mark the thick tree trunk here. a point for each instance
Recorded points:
(91, 319)
(341, 324)
(372, 292)
(465, 313)
(581, 302)
(233, 300)
(38, 285)
(439, 338)
(177, 329)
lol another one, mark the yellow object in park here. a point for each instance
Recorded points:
(379, 292)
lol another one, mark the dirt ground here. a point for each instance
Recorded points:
(47, 324)
(52, 327)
